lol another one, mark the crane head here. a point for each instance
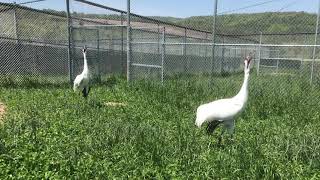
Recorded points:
(84, 50)
(247, 61)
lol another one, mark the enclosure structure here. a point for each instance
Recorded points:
(45, 44)
(157, 49)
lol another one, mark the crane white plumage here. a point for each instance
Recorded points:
(225, 110)
(81, 82)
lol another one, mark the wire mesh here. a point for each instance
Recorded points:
(33, 45)
(36, 42)
(102, 30)
(272, 23)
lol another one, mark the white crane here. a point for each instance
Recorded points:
(225, 110)
(82, 80)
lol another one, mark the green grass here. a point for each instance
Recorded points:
(54, 133)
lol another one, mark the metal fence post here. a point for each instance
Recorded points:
(158, 38)
(277, 70)
(199, 51)
(184, 41)
(223, 57)
(304, 53)
(206, 40)
(15, 23)
(163, 52)
(258, 64)
(69, 41)
(122, 49)
(128, 43)
(236, 55)
(98, 59)
(315, 43)
(213, 36)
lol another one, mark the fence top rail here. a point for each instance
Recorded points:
(267, 34)
(139, 16)
(188, 28)
(146, 27)
(268, 45)
(221, 44)
(12, 6)
(146, 65)
(63, 14)
(100, 25)
(288, 58)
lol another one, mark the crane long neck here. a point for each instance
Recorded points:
(243, 93)
(85, 63)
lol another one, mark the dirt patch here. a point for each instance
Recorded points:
(113, 104)
(2, 111)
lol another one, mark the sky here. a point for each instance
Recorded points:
(183, 8)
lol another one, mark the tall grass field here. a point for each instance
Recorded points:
(54, 133)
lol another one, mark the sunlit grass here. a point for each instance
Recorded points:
(55, 133)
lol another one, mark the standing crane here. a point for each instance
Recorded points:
(82, 80)
(225, 110)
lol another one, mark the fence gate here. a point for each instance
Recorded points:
(148, 53)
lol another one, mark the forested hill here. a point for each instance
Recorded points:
(270, 22)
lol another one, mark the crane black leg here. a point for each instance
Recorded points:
(88, 90)
(220, 137)
(212, 126)
(85, 93)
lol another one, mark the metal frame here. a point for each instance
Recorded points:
(214, 44)
(163, 53)
(16, 24)
(99, 58)
(136, 15)
(128, 42)
(100, 25)
(259, 53)
(69, 42)
(158, 38)
(221, 44)
(143, 27)
(146, 65)
(184, 48)
(315, 43)
(213, 37)
(122, 48)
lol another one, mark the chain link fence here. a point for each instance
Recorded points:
(36, 43)
(285, 36)
(33, 45)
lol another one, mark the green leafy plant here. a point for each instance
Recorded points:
(53, 133)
